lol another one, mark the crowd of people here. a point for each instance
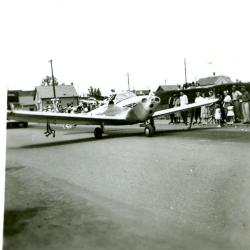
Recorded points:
(82, 107)
(232, 107)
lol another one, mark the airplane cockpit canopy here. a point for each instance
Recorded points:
(116, 98)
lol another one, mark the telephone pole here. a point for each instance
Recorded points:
(53, 80)
(185, 68)
(128, 81)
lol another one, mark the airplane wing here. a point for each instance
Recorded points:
(66, 118)
(183, 108)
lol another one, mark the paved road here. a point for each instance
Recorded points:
(178, 190)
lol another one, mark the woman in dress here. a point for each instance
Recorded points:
(204, 111)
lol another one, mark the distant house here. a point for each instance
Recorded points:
(214, 80)
(26, 100)
(66, 94)
(13, 98)
(22, 99)
(165, 88)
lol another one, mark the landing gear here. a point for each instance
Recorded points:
(49, 130)
(150, 128)
(98, 133)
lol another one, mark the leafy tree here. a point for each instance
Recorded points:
(47, 81)
(95, 92)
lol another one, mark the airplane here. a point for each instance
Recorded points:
(121, 109)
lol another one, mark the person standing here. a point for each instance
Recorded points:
(177, 115)
(219, 110)
(217, 115)
(211, 108)
(230, 115)
(171, 105)
(204, 110)
(183, 102)
(226, 101)
(197, 113)
(236, 95)
(245, 99)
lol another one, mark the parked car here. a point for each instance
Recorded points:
(16, 124)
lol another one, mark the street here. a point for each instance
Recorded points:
(181, 189)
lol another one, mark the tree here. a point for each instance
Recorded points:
(95, 92)
(47, 81)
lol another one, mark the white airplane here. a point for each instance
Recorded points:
(121, 109)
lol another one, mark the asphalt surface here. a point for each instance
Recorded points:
(177, 190)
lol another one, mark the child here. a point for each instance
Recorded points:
(217, 115)
(230, 115)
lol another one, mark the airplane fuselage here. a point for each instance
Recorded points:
(133, 110)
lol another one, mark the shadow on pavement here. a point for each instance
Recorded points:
(218, 134)
(15, 221)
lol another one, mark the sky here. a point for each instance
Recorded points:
(97, 42)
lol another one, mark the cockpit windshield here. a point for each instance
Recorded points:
(124, 96)
(116, 98)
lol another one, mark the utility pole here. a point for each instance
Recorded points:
(128, 81)
(53, 80)
(185, 68)
(54, 100)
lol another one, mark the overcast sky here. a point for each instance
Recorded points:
(96, 42)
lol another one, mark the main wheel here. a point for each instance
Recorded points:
(98, 133)
(149, 130)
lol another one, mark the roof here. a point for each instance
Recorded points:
(61, 91)
(214, 80)
(167, 88)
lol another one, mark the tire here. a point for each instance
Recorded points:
(149, 130)
(98, 133)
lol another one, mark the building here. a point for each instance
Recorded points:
(214, 80)
(22, 99)
(26, 100)
(65, 93)
(13, 98)
(165, 88)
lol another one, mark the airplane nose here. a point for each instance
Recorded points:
(155, 100)
(153, 103)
